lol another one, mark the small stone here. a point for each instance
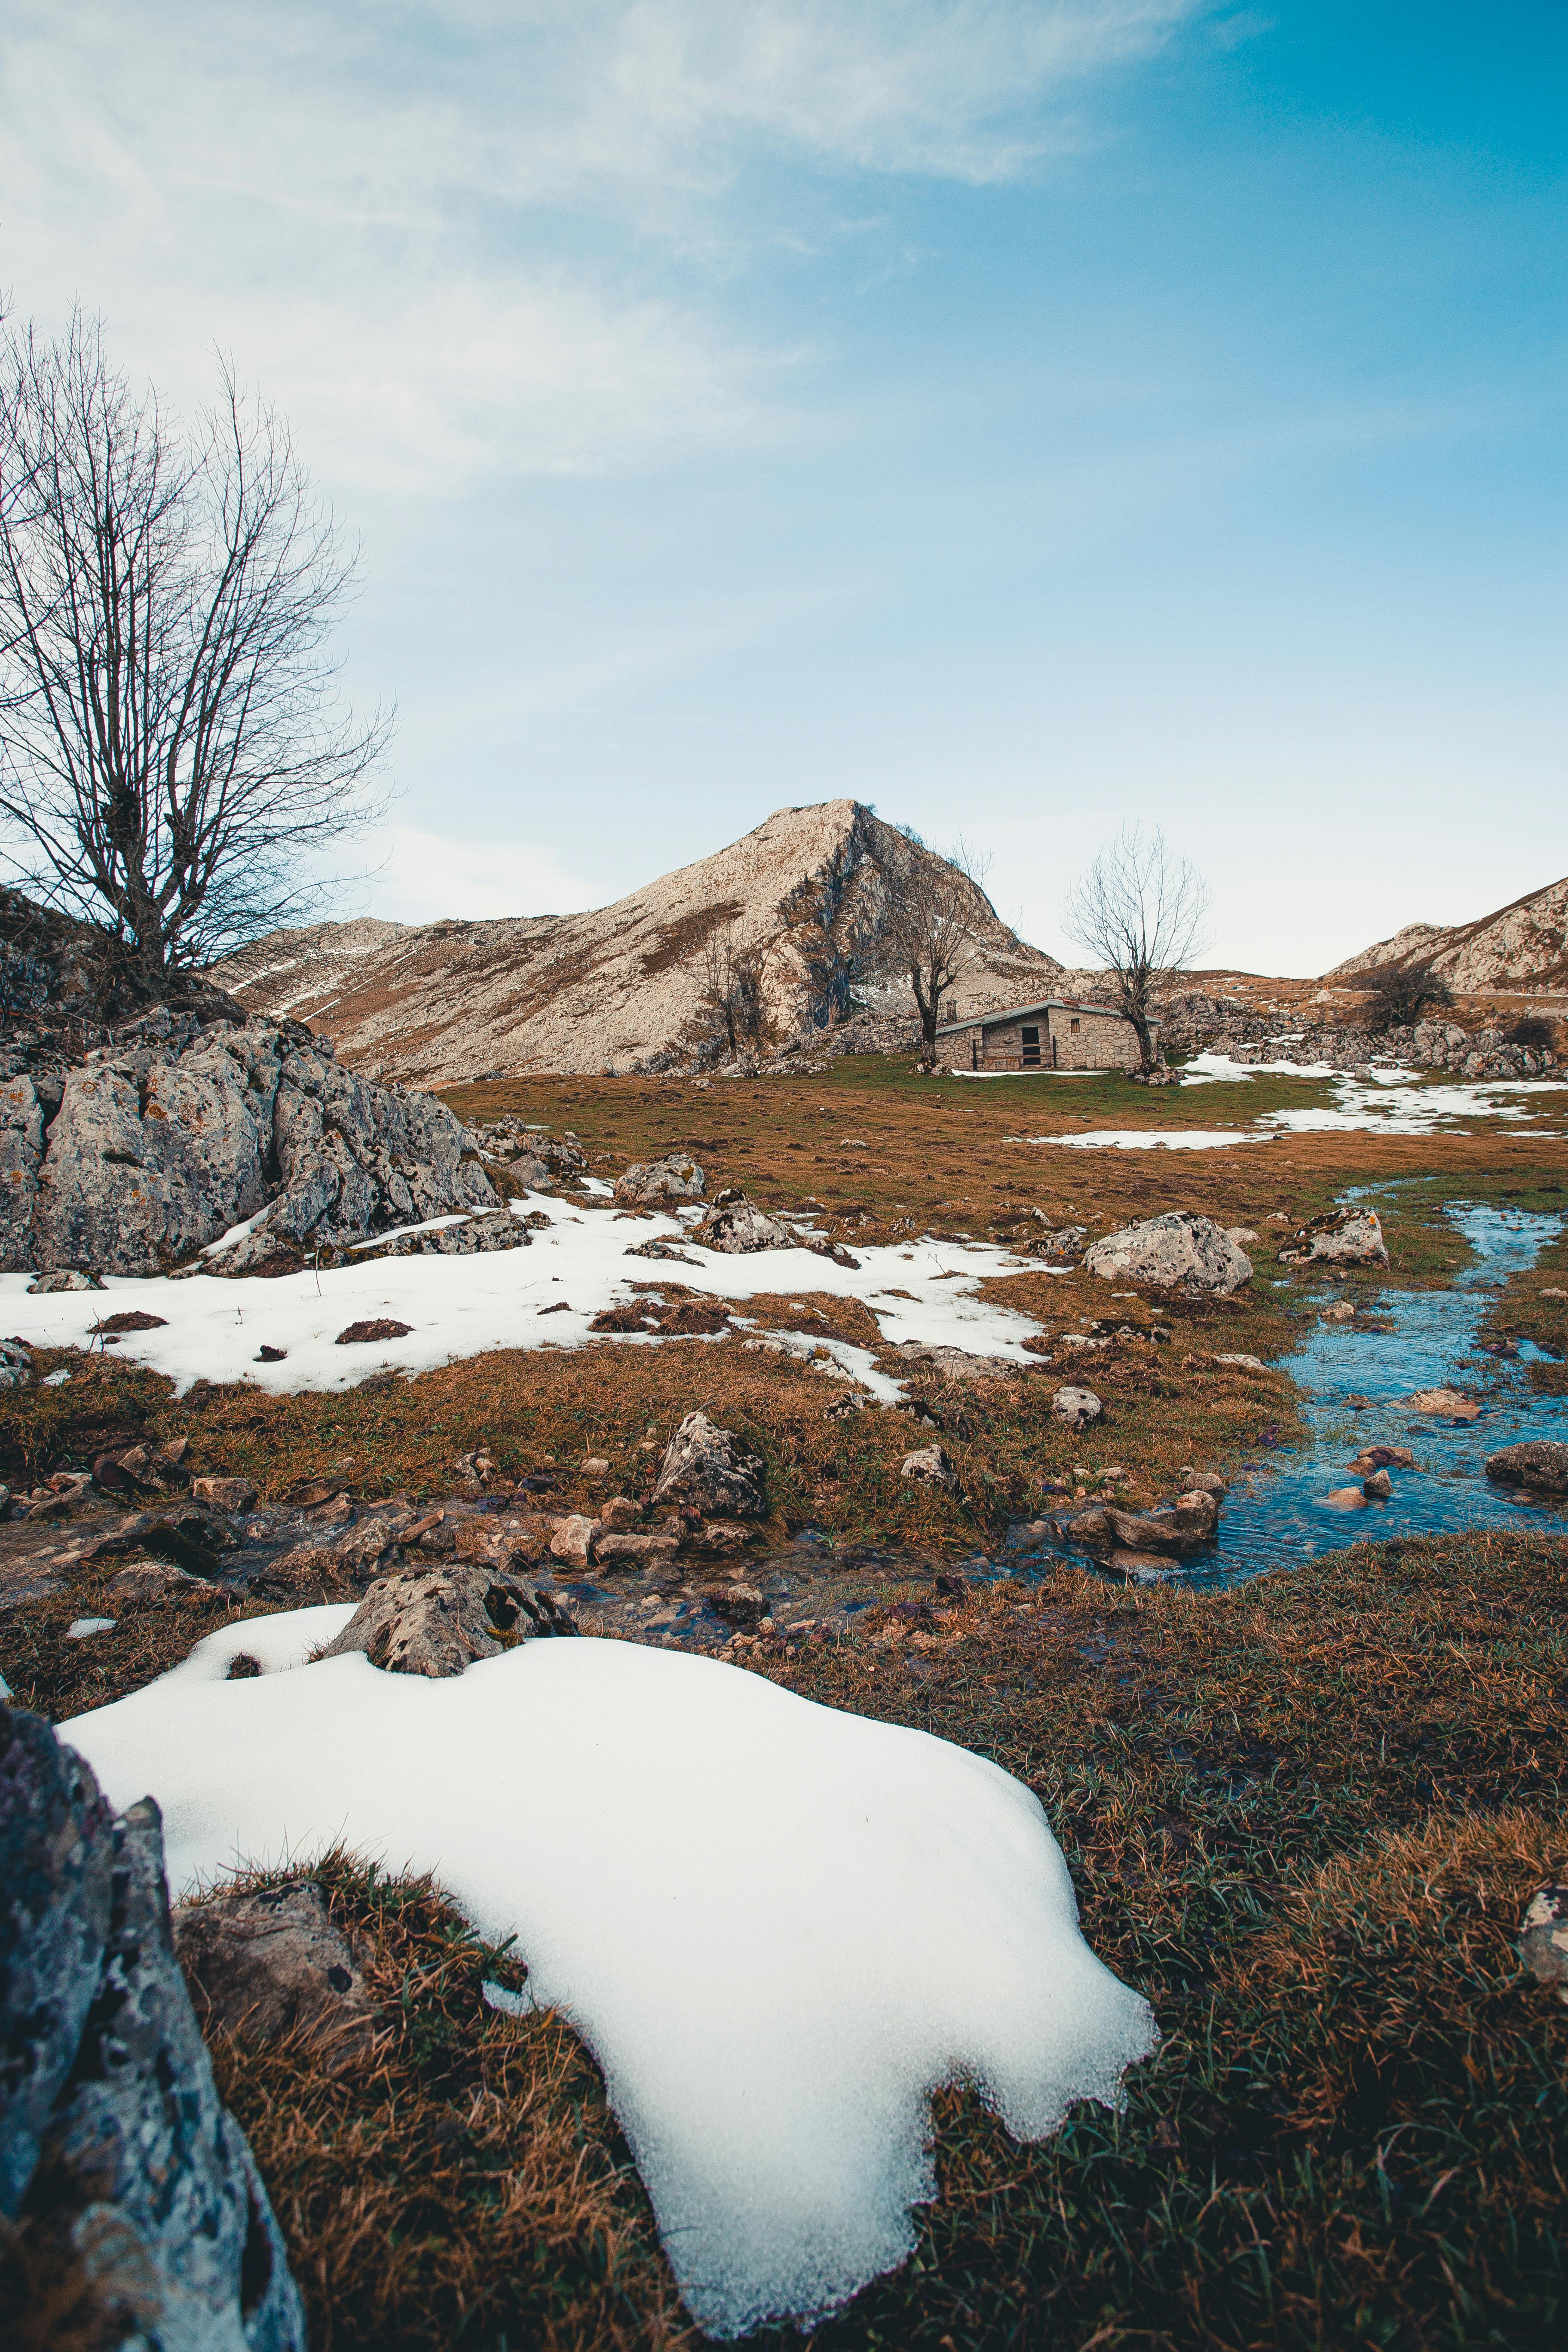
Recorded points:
(1077, 1407)
(1447, 1403)
(1345, 1499)
(1341, 1313)
(82, 1629)
(1543, 1939)
(574, 1539)
(225, 1494)
(657, 1183)
(436, 1620)
(272, 1963)
(43, 1286)
(724, 1535)
(713, 1469)
(1378, 1487)
(15, 1364)
(741, 1605)
(620, 1513)
(152, 1580)
(1244, 1363)
(634, 1551)
(595, 1467)
(929, 1467)
(1381, 1457)
(1202, 1482)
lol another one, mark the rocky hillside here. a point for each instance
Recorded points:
(1523, 946)
(805, 897)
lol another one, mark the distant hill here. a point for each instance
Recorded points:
(1523, 946)
(621, 988)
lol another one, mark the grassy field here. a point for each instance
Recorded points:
(1303, 1818)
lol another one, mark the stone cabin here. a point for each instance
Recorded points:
(1054, 1034)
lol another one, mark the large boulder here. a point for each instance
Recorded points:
(1348, 1236)
(139, 2192)
(173, 1134)
(736, 1224)
(438, 1620)
(1541, 1463)
(713, 1469)
(660, 1184)
(1180, 1528)
(1078, 1407)
(1179, 1251)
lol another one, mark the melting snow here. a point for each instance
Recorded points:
(779, 1928)
(459, 1307)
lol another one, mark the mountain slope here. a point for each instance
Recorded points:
(1524, 945)
(623, 985)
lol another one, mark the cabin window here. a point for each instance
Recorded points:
(1073, 1027)
(952, 1012)
(1031, 1038)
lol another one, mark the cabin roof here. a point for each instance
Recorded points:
(1022, 1013)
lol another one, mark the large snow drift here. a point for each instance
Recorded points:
(545, 1296)
(779, 1928)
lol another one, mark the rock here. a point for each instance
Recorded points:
(150, 2215)
(498, 1231)
(1199, 1482)
(1381, 1457)
(620, 1513)
(653, 1184)
(1178, 1250)
(741, 1605)
(929, 1466)
(55, 1866)
(1341, 1313)
(224, 1494)
(15, 1364)
(1447, 1402)
(1541, 1463)
(1543, 1938)
(1343, 1238)
(381, 1327)
(1243, 1363)
(1077, 1407)
(736, 1224)
(1345, 1499)
(272, 1963)
(633, 1551)
(62, 1278)
(1242, 1235)
(724, 1535)
(957, 1363)
(1377, 1487)
(308, 1574)
(153, 1580)
(663, 1250)
(575, 1539)
(1180, 1528)
(712, 1469)
(1139, 1567)
(436, 1620)
(21, 1157)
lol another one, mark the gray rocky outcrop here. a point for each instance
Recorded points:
(1178, 1528)
(141, 2200)
(268, 1961)
(1179, 1251)
(1347, 1236)
(1193, 1021)
(534, 1156)
(438, 1620)
(496, 1229)
(928, 1465)
(660, 1184)
(712, 1469)
(1540, 1462)
(737, 1225)
(174, 1132)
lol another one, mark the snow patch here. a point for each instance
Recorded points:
(779, 1928)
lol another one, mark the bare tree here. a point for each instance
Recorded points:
(1140, 913)
(732, 994)
(938, 905)
(173, 757)
(1402, 994)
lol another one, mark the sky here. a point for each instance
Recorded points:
(1027, 417)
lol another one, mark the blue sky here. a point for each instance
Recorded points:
(1025, 418)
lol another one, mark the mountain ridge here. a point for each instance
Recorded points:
(1524, 945)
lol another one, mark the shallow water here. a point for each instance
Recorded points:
(1351, 1377)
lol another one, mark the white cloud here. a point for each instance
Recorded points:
(456, 240)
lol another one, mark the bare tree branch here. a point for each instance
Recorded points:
(171, 751)
(732, 995)
(938, 906)
(1139, 913)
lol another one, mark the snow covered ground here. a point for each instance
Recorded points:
(545, 1295)
(779, 1928)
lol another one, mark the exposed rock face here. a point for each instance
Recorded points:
(1343, 1238)
(1077, 1407)
(1541, 1463)
(808, 893)
(137, 2184)
(174, 1133)
(438, 1620)
(657, 1183)
(713, 1469)
(272, 1963)
(1523, 945)
(737, 1225)
(1177, 1252)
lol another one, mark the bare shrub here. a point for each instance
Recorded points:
(1139, 912)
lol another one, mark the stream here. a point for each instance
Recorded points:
(1355, 1378)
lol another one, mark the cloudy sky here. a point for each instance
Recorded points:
(1024, 414)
